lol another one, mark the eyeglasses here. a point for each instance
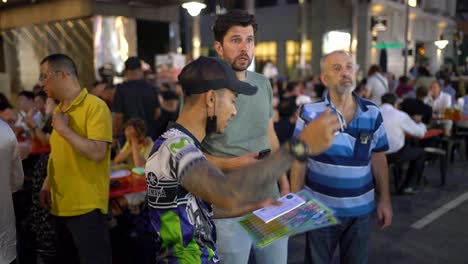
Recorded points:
(45, 76)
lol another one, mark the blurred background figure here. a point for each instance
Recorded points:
(11, 180)
(361, 89)
(284, 127)
(416, 106)
(423, 78)
(437, 99)
(377, 84)
(137, 147)
(403, 89)
(270, 71)
(448, 88)
(135, 98)
(40, 222)
(98, 88)
(8, 114)
(397, 124)
(170, 103)
(26, 106)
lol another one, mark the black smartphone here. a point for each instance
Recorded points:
(262, 154)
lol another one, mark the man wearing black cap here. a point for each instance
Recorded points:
(182, 184)
(135, 98)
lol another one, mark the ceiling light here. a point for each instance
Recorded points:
(441, 43)
(194, 8)
(412, 3)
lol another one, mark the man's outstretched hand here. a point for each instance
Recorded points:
(319, 133)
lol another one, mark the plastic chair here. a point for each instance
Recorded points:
(441, 155)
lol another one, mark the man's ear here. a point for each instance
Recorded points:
(323, 79)
(210, 98)
(218, 46)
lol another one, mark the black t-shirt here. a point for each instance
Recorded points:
(164, 120)
(284, 129)
(137, 99)
(417, 107)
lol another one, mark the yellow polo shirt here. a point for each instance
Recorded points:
(79, 185)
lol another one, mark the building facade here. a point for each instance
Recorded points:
(350, 25)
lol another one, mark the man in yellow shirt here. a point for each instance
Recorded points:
(77, 186)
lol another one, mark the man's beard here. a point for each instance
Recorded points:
(345, 90)
(342, 89)
(237, 67)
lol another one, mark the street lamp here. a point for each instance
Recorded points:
(408, 3)
(441, 43)
(194, 8)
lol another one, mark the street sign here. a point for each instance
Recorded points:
(390, 45)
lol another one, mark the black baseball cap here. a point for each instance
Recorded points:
(210, 73)
(132, 63)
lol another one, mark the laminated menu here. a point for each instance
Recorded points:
(310, 215)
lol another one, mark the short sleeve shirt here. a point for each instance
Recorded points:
(341, 177)
(78, 184)
(137, 99)
(183, 221)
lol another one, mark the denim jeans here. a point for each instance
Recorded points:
(352, 235)
(234, 245)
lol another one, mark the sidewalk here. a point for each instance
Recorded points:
(442, 241)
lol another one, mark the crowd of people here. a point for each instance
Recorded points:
(199, 141)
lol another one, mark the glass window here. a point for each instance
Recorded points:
(265, 51)
(336, 40)
(293, 57)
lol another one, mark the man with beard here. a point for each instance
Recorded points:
(251, 131)
(343, 176)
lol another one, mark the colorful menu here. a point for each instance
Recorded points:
(310, 215)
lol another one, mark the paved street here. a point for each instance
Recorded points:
(445, 240)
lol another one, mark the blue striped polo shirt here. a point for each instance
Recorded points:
(341, 177)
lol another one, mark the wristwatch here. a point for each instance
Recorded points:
(299, 149)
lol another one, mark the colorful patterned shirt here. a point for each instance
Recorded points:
(183, 221)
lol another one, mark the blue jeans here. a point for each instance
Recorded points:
(234, 245)
(352, 235)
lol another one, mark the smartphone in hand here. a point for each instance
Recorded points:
(264, 153)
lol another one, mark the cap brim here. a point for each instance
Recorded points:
(243, 88)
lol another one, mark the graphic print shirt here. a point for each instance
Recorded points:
(183, 221)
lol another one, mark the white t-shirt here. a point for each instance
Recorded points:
(378, 86)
